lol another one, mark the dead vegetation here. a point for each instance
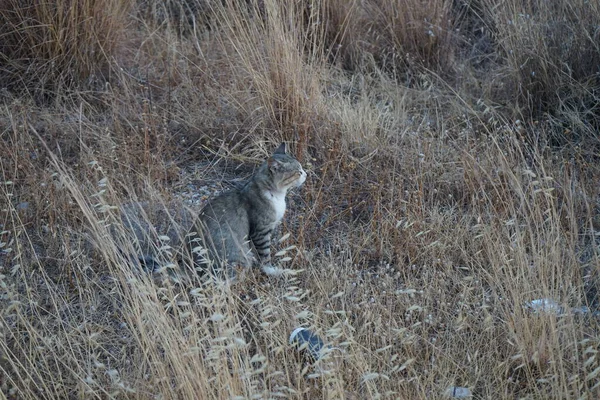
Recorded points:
(452, 152)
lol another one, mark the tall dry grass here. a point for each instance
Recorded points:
(48, 46)
(273, 73)
(551, 51)
(448, 188)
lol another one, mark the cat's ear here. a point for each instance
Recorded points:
(282, 149)
(273, 164)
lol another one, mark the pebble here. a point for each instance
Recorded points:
(314, 344)
(457, 392)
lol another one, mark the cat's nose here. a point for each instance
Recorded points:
(302, 177)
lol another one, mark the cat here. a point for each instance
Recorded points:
(234, 229)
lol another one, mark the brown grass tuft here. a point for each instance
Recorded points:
(50, 45)
(551, 52)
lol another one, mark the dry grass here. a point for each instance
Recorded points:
(452, 152)
(51, 46)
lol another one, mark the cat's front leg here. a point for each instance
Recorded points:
(262, 244)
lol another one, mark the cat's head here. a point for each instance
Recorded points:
(285, 170)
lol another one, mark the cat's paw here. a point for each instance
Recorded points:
(270, 270)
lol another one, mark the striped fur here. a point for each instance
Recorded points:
(236, 227)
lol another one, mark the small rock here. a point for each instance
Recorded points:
(457, 392)
(549, 306)
(306, 339)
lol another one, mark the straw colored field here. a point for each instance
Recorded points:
(453, 153)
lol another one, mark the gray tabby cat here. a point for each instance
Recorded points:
(236, 226)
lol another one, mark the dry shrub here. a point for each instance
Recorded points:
(264, 43)
(552, 54)
(179, 16)
(415, 33)
(400, 36)
(47, 45)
